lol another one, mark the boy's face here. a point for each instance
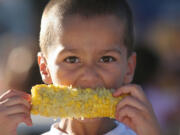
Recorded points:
(90, 53)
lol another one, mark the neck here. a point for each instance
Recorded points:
(87, 126)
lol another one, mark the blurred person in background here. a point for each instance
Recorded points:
(164, 37)
(19, 28)
(150, 75)
(18, 22)
(159, 26)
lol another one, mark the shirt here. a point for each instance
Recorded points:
(121, 129)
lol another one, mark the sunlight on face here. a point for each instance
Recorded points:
(90, 53)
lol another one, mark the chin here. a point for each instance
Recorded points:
(89, 119)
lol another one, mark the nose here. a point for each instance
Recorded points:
(89, 78)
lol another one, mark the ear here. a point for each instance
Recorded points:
(45, 74)
(131, 65)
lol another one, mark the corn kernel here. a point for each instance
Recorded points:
(68, 102)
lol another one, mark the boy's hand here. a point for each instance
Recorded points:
(135, 111)
(14, 109)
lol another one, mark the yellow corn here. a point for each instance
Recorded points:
(67, 102)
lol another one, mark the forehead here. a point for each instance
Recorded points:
(102, 21)
(107, 26)
(102, 31)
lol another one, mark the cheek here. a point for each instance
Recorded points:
(113, 76)
(63, 76)
(54, 74)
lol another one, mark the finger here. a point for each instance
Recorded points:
(16, 100)
(133, 90)
(11, 93)
(17, 109)
(132, 101)
(19, 118)
(131, 112)
(128, 122)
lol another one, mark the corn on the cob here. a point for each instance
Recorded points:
(67, 102)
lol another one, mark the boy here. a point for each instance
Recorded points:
(87, 43)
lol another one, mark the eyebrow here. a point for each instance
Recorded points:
(68, 50)
(113, 50)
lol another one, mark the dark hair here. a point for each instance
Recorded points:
(85, 8)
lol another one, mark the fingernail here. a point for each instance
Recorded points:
(27, 97)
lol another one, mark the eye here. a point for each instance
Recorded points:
(72, 59)
(106, 59)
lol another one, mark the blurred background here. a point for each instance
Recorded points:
(157, 45)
